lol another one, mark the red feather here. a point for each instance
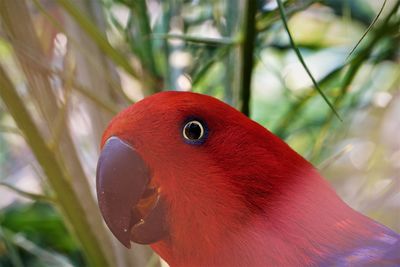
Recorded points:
(243, 197)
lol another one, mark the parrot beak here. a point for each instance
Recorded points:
(131, 207)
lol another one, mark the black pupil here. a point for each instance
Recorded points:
(193, 131)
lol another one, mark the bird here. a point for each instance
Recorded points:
(204, 185)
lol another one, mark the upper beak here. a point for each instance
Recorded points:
(131, 207)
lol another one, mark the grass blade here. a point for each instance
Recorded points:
(207, 65)
(33, 196)
(367, 31)
(329, 161)
(9, 129)
(46, 257)
(13, 254)
(300, 57)
(56, 174)
(98, 37)
(266, 20)
(199, 40)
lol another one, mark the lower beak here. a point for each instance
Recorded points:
(132, 208)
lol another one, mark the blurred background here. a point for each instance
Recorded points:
(66, 67)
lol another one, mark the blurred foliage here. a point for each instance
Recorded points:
(66, 67)
(44, 226)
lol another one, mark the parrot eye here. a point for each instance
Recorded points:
(193, 131)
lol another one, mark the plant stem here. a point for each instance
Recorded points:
(247, 56)
(56, 175)
(33, 196)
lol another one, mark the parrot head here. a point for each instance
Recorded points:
(192, 176)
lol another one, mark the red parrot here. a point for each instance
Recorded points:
(206, 186)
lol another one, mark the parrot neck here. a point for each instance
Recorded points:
(307, 224)
(311, 226)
